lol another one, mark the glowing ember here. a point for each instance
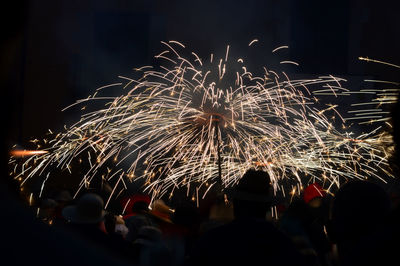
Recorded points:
(26, 153)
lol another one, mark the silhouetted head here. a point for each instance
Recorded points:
(187, 215)
(251, 196)
(88, 210)
(358, 208)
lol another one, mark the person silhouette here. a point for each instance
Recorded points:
(358, 224)
(304, 222)
(86, 219)
(249, 239)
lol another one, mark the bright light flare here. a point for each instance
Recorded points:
(26, 153)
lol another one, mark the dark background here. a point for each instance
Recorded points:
(56, 52)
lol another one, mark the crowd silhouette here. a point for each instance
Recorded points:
(355, 225)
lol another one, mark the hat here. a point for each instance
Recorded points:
(89, 209)
(135, 202)
(161, 211)
(313, 191)
(253, 186)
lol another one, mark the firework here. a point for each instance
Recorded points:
(381, 97)
(197, 123)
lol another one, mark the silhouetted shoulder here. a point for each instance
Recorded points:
(245, 241)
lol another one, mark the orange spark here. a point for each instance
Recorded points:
(23, 153)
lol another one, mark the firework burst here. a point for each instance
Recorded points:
(201, 123)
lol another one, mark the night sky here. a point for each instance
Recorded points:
(60, 51)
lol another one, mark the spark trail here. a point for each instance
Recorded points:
(376, 110)
(169, 125)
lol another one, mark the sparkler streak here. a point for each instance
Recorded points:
(171, 125)
(379, 97)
